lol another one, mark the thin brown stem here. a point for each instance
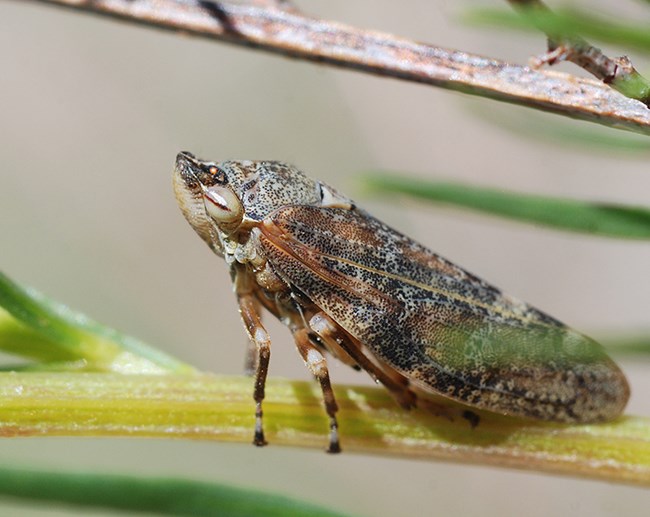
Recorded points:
(618, 72)
(295, 35)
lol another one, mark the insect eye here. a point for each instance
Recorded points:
(224, 207)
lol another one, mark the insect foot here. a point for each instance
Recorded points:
(377, 300)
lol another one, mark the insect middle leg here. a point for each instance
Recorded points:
(336, 340)
(251, 358)
(249, 311)
(317, 364)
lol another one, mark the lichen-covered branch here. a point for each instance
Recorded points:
(288, 32)
(208, 407)
(617, 72)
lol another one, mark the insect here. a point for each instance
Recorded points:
(347, 284)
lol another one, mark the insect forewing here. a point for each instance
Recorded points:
(447, 331)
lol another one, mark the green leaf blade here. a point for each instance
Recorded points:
(564, 23)
(601, 219)
(163, 496)
(66, 336)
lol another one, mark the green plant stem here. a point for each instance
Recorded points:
(221, 408)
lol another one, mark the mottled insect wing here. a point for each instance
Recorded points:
(448, 332)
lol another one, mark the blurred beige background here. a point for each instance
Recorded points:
(92, 113)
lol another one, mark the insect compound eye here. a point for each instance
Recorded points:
(224, 207)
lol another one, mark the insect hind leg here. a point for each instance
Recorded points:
(315, 361)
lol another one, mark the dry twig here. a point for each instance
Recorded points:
(281, 31)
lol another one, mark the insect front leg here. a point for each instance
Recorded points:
(317, 364)
(249, 310)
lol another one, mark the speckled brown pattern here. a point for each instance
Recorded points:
(419, 323)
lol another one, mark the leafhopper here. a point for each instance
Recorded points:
(348, 285)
